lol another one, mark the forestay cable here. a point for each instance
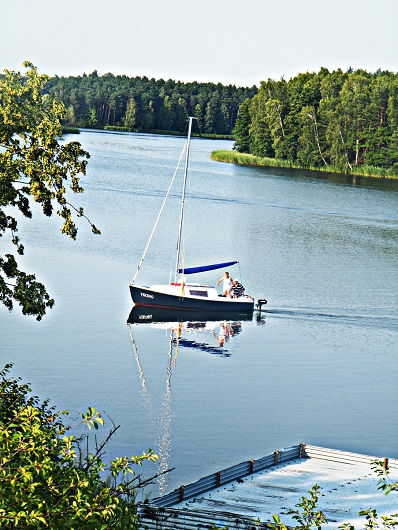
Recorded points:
(159, 215)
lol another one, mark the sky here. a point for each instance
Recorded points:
(238, 42)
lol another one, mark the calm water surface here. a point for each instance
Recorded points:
(319, 366)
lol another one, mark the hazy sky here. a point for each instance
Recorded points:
(229, 41)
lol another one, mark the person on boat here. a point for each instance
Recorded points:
(237, 290)
(227, 284)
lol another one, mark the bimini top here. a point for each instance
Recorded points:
(204, 268)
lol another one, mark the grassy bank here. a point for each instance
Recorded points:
(234, 157)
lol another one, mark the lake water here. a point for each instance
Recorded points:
(320, 366)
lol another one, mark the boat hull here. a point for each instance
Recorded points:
(146, 297)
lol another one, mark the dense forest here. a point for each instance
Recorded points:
(139, 103)
(336, 119)
(342, 119)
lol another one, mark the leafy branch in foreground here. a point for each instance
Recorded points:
(47, 480)
(373, 520)
(34, 168)
(307, 516)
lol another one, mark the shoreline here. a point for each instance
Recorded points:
(245, 159)
(108, 128)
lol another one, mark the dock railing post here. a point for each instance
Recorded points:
(181, 493)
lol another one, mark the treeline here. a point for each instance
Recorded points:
(341, 119)
(139, 103)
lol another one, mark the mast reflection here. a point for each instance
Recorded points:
(203, 331)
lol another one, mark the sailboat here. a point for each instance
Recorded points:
(181, 294)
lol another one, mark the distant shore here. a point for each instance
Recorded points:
(233, 157)
(170, 133)
(245, 159)
(76, 130)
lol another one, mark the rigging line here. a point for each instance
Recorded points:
(159, 215)
(242, 277)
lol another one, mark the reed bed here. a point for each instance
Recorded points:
(234, 157)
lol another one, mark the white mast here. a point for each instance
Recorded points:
(183, 197)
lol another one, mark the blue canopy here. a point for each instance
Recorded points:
(205, 268)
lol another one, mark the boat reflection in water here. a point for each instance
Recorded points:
(141, 315)
(184, 323)
(203, 331)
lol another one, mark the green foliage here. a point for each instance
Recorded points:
(385, 483)
(46, 480)
(373, 520)
(146, 104)
(307, 515)
(241, 132)
(34, 167)
(130, 115)
(246, 159)
(344, 120)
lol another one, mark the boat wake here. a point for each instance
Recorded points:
(380, 321)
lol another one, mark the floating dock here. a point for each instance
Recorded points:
(246, 496)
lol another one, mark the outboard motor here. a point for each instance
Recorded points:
(260, 303)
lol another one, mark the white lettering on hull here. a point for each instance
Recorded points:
(146, 295)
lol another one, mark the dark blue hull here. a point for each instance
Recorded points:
(145, 297)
